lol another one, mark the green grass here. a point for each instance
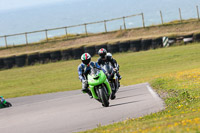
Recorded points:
(62, 76)
(181, 93)
(174, 73)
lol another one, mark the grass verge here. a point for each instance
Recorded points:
(135, 68)
(181, 93)
(180, 89)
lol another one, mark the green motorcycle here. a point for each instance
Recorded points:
(99, 86)
(4, 103)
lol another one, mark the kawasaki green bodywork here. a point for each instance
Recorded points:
(98, 79)
(2, 103)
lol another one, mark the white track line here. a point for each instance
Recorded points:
(153, 93)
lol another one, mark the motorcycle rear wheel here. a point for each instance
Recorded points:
(113, 96)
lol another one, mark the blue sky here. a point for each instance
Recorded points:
(18, 4)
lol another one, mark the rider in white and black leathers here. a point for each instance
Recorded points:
(84, 69)
(107, 57)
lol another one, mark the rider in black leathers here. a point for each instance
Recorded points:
(107, 57)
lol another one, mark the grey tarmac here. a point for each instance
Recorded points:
(72, 111)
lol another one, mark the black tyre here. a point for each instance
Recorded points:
(113, 47)
(197, 37)
(188, 36)
(44, 57)
(124, 46)
(67, 54)
(9, 62)
(113, 96)
(33, 58)
(1, 63)
(7, 104)
(90, 49)
(157, 43)
(117, 84)
(104, 98)
(77, 52)
(115, 87)
(21, 60)
(146, 44)
(135, 45)
(55, 56)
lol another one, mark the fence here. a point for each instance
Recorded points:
(85, 27)
(67, 27)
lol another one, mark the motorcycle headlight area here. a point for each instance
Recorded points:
(96, 76)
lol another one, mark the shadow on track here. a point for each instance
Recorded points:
(127, 90)
(130, 96)
(125, 103)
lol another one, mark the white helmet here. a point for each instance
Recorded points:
(86, 58)
(109, 54)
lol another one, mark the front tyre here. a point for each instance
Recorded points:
(7, 104)
(104, 98)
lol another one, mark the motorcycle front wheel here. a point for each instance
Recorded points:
(104, 98)
(7, 104)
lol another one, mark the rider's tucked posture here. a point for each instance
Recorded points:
(2, 100)
(107, 57)
(84, 69)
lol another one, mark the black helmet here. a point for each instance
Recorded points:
(86, 58)
(102, 53)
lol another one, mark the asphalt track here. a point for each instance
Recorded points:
(72, 111)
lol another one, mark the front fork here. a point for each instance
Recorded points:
(94, 93)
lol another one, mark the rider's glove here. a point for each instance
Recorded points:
(84, 81)
(115, 69)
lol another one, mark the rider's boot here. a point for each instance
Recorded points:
(86, 90)
(90, 94)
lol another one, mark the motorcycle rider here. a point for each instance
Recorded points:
(84, 69)
(107, 57)
(2, 99)
(4, 103)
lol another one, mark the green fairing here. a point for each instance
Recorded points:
(2, 104)
(95, 82)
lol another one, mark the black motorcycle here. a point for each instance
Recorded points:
(112, 78)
